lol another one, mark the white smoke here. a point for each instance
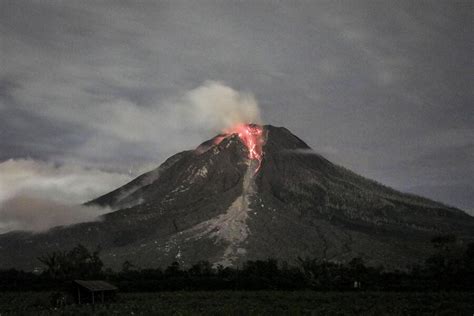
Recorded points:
(37, 195)
(120, 127)
(218, 106)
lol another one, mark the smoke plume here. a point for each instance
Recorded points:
(218, 106)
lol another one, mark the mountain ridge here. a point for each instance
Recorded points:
(209, 204)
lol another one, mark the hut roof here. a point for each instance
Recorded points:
(96, 285)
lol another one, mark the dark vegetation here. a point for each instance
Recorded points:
(451, 267)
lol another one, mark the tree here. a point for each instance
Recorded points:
(79, 262)
(445, 265)
(202, 268)
(127, 266)
(55, 263)
(174, 269)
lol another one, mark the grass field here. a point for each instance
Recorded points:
(249, 303)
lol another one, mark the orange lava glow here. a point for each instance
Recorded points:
(251, 136)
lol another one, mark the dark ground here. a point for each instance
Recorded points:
(250, 303)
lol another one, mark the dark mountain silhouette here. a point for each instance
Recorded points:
(210, 204)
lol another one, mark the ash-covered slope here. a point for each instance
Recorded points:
(210, 204)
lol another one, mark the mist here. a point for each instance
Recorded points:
(36, 195)
(37, 215)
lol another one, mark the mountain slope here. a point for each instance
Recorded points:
(211, 204)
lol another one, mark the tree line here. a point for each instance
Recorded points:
(450, 267)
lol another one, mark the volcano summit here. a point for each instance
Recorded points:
(253, 192)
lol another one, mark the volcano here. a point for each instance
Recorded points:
(253, 192)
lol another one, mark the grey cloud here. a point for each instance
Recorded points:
(37, 214)
(68, 184)
(36, 195)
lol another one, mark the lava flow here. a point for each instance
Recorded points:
(251, 136)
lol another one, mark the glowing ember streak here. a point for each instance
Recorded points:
(251, 136)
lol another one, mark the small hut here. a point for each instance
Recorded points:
(90, 291)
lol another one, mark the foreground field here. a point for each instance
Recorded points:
(249, 303)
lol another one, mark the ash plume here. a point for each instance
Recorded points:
(157, 131)
(219, 106)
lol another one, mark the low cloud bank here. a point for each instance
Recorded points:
(36, 196)
(37, 215)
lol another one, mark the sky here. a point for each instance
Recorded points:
(93, 93)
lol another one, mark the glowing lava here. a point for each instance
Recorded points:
(251, 136)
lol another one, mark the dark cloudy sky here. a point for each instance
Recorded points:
(87, 88)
